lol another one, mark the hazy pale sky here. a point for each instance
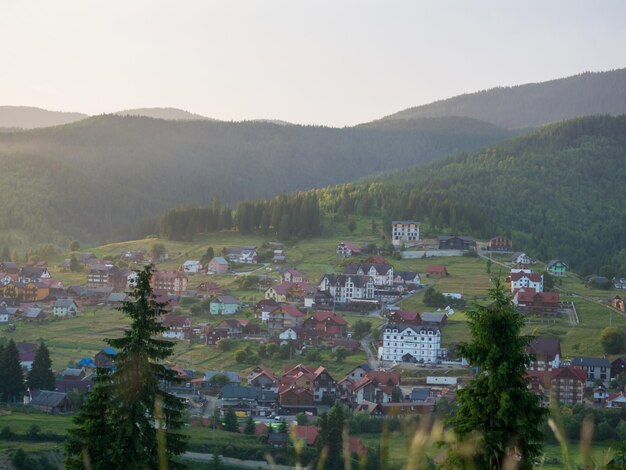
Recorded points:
(329, 62)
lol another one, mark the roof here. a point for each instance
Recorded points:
(404, 222)
(406, 316)
(460, 237)
(171, 320)
(416, 328)
(64, 303)
(219, 260)
(239, 391)
(433, 317)
(436, 268)
(290, 310)
(546, 348)
(381, 269)
(48, 398)
(534, 277)
(351, 246)
(307, 433)
(226, 299)
(419, 394)
(582, 361)
(554, 262)
(326, 316)
(579, 373)
(341, 279)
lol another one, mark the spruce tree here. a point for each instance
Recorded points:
(497, 403)
(250, 426)
(142, 419)
(331, 437)
(41, 376)
(231, 424)
(85, 447)
(11, 374)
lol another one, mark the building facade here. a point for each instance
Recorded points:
(410, 343)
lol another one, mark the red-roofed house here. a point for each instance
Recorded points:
(404, 317)
(539, 303)
(178, 327)
(347, 249)
(616, 400)
(547, 352)
(436, 271)
(283, 317)
(566, 384)
(307, 434)
(376, 386)
(328, 324)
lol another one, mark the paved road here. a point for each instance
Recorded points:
(371, 359)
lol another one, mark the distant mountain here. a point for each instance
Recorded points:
(172, 114)
(558, 193)
(96, 178)
(534, 104)
(26, 117)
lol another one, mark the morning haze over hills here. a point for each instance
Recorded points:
(104, 173)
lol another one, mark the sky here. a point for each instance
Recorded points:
(329, 62)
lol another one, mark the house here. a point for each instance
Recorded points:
(565, 384)
(106, 275)
(619, 282)
(306, 434)
(33, 274)
(51, 402)
(376, 387)
(116, 298)
(410, 343)
(178, 327)
(381, 274)
(236, 327)
(283, 317)
(557, 267)
(405, 232)
(328, 324)
(292, 396)
(358, 372)
(436, 271)
(213, 336)
(264, 380)
(192, 266)
(65, 308)
(131, 280)
(105, 358)
(499, 243)
(218, 265)
(347, 249)
(286, 291)
(407, 278)
(4, 315)
(616, 400)
(243, 255)
(546, 352)
(435, 319)
(522, 259)
(454, 242)
(618, 366)
(595, 368)
(539, 303)
(224, 305)
(33, 314)
(263, 308)
(169, 282)
(404, 317)
(318, 381)
(520, 279)
(419, 395)
(291, 275)
(345, 287)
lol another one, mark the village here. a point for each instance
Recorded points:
(377, 339)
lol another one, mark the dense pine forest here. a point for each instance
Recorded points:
(94, 179)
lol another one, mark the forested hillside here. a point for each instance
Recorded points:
(172, 114)
(559, 193)
(27, 117)
(534, 104)
(95, 178)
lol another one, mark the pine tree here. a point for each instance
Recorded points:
(497, 402)
(143, 418)
(331, 437)
(231, 424)
(11, 374)
(41, 376)
(85, 447)
(250, 426)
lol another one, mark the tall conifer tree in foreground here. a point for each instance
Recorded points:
(142, 419)
(497, 403)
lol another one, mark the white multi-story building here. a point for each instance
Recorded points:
(410, 343)
(405, 232)
(382, 274)
(524, 279)
(345, 287)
